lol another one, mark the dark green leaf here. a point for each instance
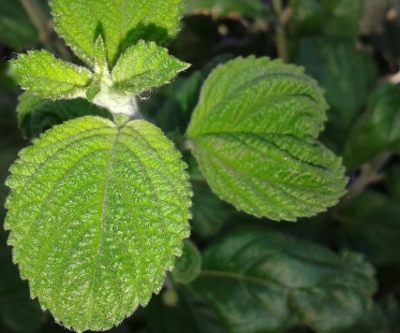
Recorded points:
(187, 266)
(392, 180)
(260, 281)
(187, 314)
(378, 130)
(346, 74)
(17, 29)
(36, 115)
(371, 225)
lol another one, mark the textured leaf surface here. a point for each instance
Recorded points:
(261, 281)
(371, 225)
(36, 115)
(97, 213)
(253, 134)
(143, 66)
(121, 23)
(42, 74)
(376, 131)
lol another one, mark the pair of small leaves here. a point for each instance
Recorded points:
(254, 135)
(98, 210)
(100, 38)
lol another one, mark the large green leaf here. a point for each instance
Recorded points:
(35, 114)
(43, 74)
(97, 214)
(371, 225)
(120, 23)
(254, 133)
(378, 130)
(260, 281)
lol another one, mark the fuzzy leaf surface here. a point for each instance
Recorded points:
(262, 281)
(42, 74)
(143, 66)
(97, 213)
(120, 23)
(254, 135)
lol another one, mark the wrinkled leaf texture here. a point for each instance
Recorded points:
(254, 135)
(97, 213)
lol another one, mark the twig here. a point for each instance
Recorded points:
(281, 39)
(38, 19)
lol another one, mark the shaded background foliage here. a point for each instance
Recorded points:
(352, 48)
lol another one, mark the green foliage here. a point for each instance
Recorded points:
(377, 131)
(17, 29)
(253, 135)
(250, 8)
(120, 23)
(36, 114)
(97, 212)
(187, 266)
(371, 225)
(41, 73)
(100, 204)
(268, 282)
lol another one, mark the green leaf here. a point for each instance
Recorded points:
(97, 212)
(326, 17)
(251, 8)
(347, 76)
(392, 181)
(371, 225)
(187, 266)
(343, 13)
(254, 135)
(187, 314)
(209, 212)
(378, 130)
(260, 281)
(153, 66)
(36, 115)
(42, 74)
(120, 23)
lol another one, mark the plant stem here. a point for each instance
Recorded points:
(45, 31)
(38, 19)
(369, 175)
(281, 39)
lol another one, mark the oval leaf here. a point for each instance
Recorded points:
(262, 281)
(97, 213)
(254, 135)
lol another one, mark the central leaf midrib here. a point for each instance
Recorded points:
(102, 217)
